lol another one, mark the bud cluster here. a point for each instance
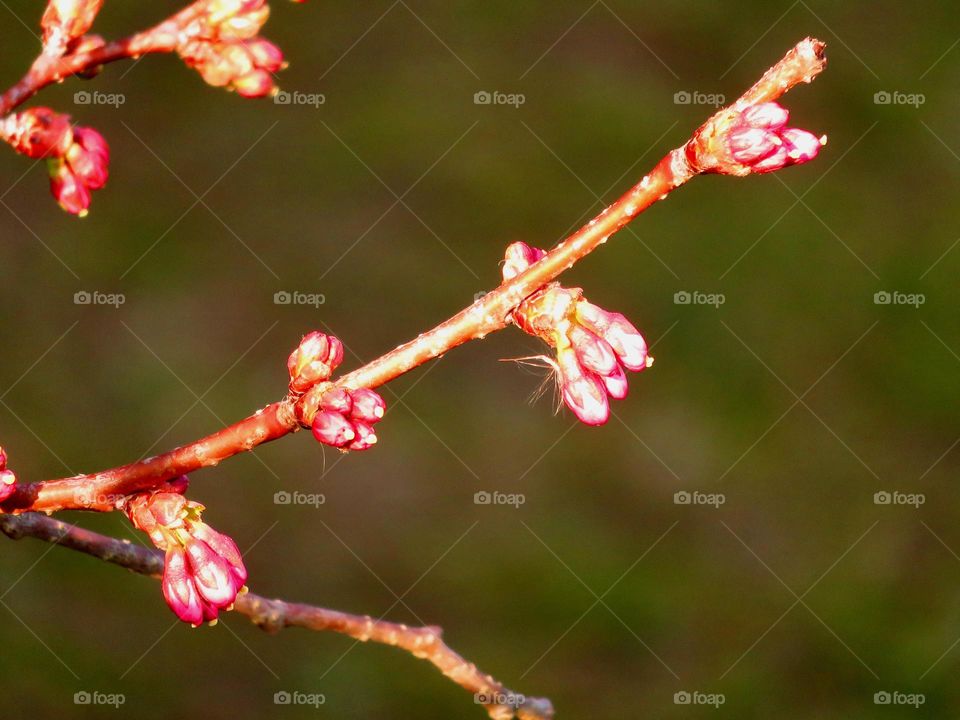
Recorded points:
(760, 140)
(8, 481)
(345, 418)
(203, 570)
(226, 51)
(593, 346)
(78, 158)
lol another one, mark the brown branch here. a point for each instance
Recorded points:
(49, 69)
(99, 491)
(425, 643)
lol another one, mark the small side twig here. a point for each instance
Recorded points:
(273, 615)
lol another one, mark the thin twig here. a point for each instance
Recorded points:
(425, 643)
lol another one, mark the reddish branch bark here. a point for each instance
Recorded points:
(425, 643)
(703, 153)
(49, 69)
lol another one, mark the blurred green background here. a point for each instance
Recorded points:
(797, 399)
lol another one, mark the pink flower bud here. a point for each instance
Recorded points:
(759, 141)
(3, 459)
(254, 84)
(768, 116)
(332, 428)
(179, 589)
(223, 546)
(313, 361)
(624, 338)
(265, 54)
(89, 157)
(39, 132)
(337, 400)
(518, 257)
(211, 573)
(582, 390)
(368, 406)
(68, 189)
(593, 352)
(366, 437)
(8, 484)
(616, 383)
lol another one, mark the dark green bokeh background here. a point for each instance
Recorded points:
(800, 597)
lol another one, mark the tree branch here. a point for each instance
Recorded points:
(702, 153)
(272, 616)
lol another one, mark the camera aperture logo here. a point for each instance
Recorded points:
(114, 700)
(686, 497)
(95, 297)
(895, 297)
(884, 497)
(300, 699)
(514, 100)
(695, 97)
(286, 97)
(895, 697)
(284, 497)
(514, 500)
(95, 97)
(695, 297)
(896, 97)
(295, 297)
(684, 697)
